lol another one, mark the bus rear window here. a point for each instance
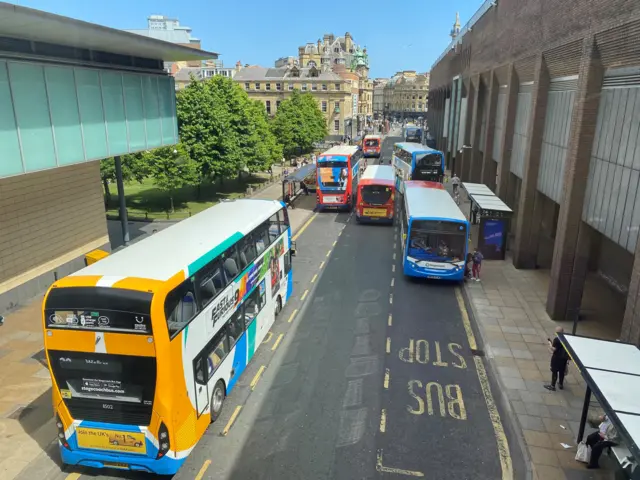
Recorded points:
(428, 160)
(372, 142)
(99, 309)
(375, 194)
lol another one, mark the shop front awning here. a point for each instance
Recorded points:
(611, 371)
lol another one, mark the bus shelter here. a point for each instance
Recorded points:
(493, 217)
(611, 371)
(291, 187)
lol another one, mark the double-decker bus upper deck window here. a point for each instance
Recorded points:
(261, 238)
(247, 251)
(284, 220)
(180, 306)
(211, 281)
(274, 227)
(230, 263)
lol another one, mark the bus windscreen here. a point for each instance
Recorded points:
(375, 194)
(437, 240)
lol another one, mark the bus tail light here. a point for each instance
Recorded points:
(164, 442)
(61, 436)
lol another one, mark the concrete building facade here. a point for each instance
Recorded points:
(71, 94)
(405, 95)
(549, 117)
(331, 90)
(378, 95)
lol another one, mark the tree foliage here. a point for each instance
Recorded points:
(171, 168)
(298, 124)
(134, 167)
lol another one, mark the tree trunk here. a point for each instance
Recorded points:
(171, 209)
(107, 192)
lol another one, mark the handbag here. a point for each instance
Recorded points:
(584, 453)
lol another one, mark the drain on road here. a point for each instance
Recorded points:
(477, 352)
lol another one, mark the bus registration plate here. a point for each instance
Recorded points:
(132, 442)
(374, 212)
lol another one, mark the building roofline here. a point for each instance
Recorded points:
(37, 25)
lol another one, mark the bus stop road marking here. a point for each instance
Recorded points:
(279, 339)
(293, 314)
(231, 421)
(390, 322)
(257, 376)
(506, 464)
(203, 470)
(313, 280)
(328, 253)
(304, 295)
(304, 227)
(388, 344)
(383, 421)
(321, 265)
(334, 243)
(398, 471)
(387, 378)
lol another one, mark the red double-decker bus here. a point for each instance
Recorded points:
(376, 194)
(337, 172)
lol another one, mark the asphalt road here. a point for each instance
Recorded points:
(373, 376)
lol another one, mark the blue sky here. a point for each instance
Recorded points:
(406, 35)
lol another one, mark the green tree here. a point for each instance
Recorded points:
(298, 124)
(134, 167)
(171, 168)
(259, 148)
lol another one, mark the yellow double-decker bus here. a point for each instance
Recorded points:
(144, 345)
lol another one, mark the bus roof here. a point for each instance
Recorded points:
(185, 246)
(378, 174)
(341, 150)
(430, 200)
(416, 148)
(373, 136)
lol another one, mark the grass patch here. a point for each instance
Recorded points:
(146, 201)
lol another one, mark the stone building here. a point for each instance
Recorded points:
(378, 95)
(405, 95)
(330, 50)
(549, 117)
(272, 85)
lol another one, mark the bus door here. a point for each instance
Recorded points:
(200, 382)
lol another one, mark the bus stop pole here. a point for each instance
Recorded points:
(122, 201)
(585, 412)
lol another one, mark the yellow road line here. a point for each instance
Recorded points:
(304, 227)
(506, 464)
(381, 468)
(328, 253)
(388, 344)
(390, 322)
(73, 476)
(314, 278)
(293, 314)
(256, 377)
(278, 340)
(231, 420)
(383, 420)
(321, 265)
(387, 378)
(304, 295)
(202, 471)
(267, 338)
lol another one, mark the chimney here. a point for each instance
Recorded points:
(238, 66)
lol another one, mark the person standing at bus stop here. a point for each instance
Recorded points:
(477, 264)
(559, 360)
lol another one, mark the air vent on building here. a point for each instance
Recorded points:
(526, 87)
(564, 84)
(622, 78)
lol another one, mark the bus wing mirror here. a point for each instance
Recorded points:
(293, 249)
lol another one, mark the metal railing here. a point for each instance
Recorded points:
(467, 27)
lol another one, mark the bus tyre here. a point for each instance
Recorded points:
(217, 400)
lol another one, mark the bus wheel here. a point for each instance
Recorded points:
(217, 400)
(278, 305)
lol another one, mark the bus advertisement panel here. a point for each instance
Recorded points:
(337, 172)
(435, 233)
(372, 146)
(143, 346)
(414, 161)
(376, 195)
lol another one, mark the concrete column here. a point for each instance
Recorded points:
(489, 166)
(524, 249)
(580, 270)
(465, 156)
(471, 155)
(124, 221)
(504, 168)
(576, 172)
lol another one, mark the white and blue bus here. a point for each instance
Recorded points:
(412, 133)
(414, 161)
(435, 233)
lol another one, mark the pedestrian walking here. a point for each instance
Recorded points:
(559, 360)
(455, 181)
(477, 264)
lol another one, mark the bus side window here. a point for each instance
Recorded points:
(230, 263)
(180, 306)
(261, 238)
(287, 262)
(210, 281)
(274, 228)
(252, 307)
(200, 372)
(284, 220)
(247, 251)
(216, 351)
(235, 327)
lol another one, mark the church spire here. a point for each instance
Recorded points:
(456, 27)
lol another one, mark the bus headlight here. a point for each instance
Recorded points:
(164, 441)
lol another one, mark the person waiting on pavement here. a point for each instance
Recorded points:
(304, 187)
(477, 264)
(606, 436)
(455, 181)
(559, 360)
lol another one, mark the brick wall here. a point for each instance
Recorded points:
(46, 217)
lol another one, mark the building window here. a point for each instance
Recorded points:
(246, 86)
(268, 86)
(268, 105)
(278, 86)
(336, 125)
(420, 106)
(420, 97)
(257, 86)
(336, 50)
(291, 86)
(324, 87)
(324, 107)
(304, 87)
(314, 87)
(336, 105)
